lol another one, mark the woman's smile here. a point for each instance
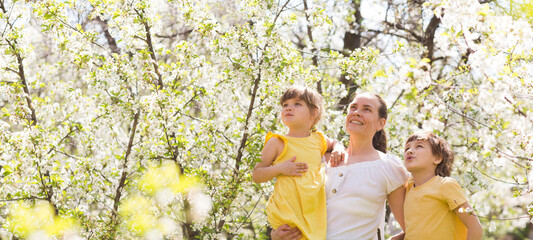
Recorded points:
(356, 122)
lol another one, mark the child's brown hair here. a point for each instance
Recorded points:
(312, 98)
(440, 148)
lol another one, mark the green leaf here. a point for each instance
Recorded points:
(6, 112)
(7, 170)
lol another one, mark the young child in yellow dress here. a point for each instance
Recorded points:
(435, 206)
(295, 160)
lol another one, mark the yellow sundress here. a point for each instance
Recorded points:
(301, 201)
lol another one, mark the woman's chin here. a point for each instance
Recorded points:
(357, 130)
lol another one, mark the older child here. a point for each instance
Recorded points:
(435, 206)
(295, 160)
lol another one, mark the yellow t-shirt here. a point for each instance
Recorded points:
(429, 210)
(301, 201)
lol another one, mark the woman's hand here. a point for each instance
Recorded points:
(291, 168)
(337, 156)
(285, 232)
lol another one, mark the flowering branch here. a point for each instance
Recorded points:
(148, 41)
(499, 180)
(21, 74)
(429, 36)
(313, 48)
(47, 188)
(23, 199)
(110, 39)
(121, 184)
(62, 139)
(513, 156)
(238, 159)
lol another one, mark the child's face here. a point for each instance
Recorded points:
(295, 112)
(419, 157)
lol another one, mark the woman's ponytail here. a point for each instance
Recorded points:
(379, 141)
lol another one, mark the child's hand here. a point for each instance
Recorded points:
(291, 168)
(284, 232)
(337, 157)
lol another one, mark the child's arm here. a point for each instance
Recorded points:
(337, 152)
(264, 171)
(470, 220)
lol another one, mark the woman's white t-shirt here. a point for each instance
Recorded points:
(356, 195)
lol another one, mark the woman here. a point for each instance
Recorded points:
(356, 190)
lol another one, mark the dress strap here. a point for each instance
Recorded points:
(323, 143)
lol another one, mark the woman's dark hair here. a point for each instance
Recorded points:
(379, 141)
(439, 148)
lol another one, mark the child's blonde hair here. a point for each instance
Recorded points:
(440, 148)
(312, 98)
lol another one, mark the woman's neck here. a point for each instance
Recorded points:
(360, 146)
(361, 151)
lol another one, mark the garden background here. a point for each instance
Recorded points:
(129, 119)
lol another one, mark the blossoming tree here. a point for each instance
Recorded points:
(144, 118)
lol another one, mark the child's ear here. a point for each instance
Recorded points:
(314, 113)
(437, 160)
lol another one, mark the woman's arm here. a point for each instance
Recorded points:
(470, 220)
(333, 144)
(396, 199)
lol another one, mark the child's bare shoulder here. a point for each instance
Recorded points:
(274, 142)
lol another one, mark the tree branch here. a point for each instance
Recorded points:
(172, 36)
(429, 36)
(351, 41)
(401, 27)
(240, 151)
(62, 139)
(313, 49)
(280, 11)
(398, 98)
(110, 39)
(196, 94)
(148, 41)
(519, 111)
(122, 181)
(238, 159)
(498, 180)
(22, 199)
(73, 28)
(470, 120)
(48, 190)
(22, 77)
(513, 156)
(392, 34)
